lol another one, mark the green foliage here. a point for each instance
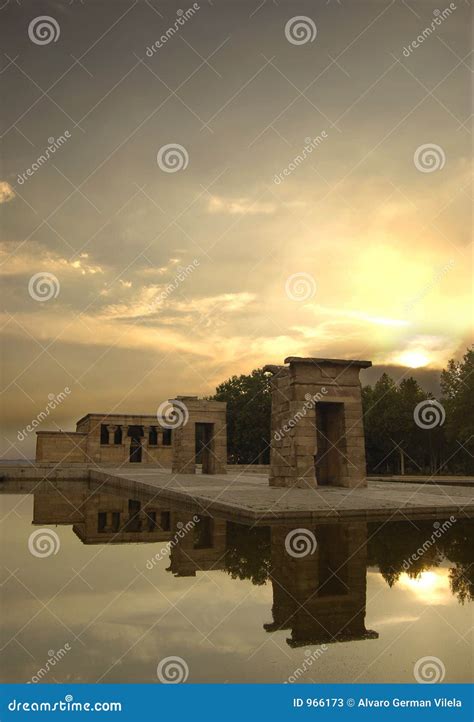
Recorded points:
(395, 549)
(248, 552)
(390, 428)
(394, 442)
(248, 417)
(457, 384)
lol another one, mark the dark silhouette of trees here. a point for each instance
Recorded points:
(248, 417)
(395, 443)
(457, 384)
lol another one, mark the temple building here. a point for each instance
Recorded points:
(321, 597)
(192, 432)
(317, 425)
(108, 439)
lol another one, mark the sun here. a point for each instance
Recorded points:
(413, 359)
(431, 586)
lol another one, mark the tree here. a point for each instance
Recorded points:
(380, 420)
(248, 400)
(457, 384)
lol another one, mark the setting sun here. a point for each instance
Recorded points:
(413, 359)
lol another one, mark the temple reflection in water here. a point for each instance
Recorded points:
(321, 597)
(318, 597)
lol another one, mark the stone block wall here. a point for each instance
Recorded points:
(61, 447)
(302, 393)
(197, 411)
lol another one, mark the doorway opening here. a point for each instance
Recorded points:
(330, 437)
(135, 433)
(205, 447)
(333, 561)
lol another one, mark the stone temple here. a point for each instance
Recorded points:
(194, 431)
(317, 428)
(317, 434)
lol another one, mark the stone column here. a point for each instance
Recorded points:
(126, 441)
(111, 429)
(144, 443)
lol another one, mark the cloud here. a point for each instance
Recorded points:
(239, 206)
(358, 316)
(6, 192)
(21, 259)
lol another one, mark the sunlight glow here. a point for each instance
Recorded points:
(429, 586)
(413, 359)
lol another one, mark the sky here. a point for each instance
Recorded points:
(269, 179)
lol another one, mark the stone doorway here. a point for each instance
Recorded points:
(329, 460)
(205, 447)
(135, 450)
(135, 433)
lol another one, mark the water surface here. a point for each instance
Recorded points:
(124, 582)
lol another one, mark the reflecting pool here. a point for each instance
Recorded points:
(101, 585)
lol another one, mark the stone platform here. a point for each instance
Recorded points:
(249, 498)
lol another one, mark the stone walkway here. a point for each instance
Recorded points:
(250, 498)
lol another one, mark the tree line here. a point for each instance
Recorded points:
(406, 429)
